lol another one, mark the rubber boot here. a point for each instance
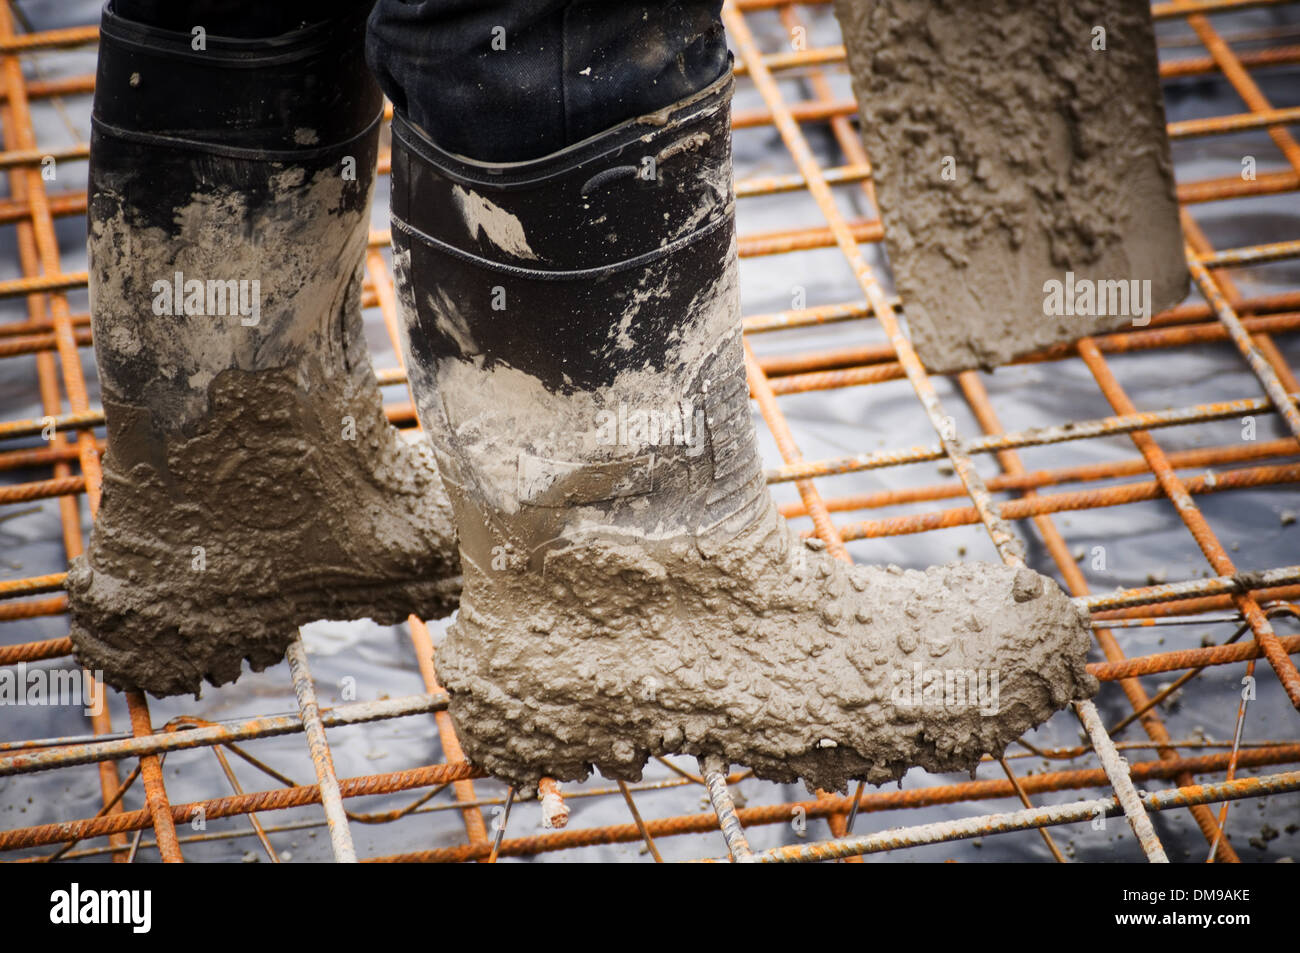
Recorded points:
(574, 340)
(252, 482)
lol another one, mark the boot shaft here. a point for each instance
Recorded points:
(268, 98)
(229, 197)
(628, 594)
(252, 483)
(573, 332)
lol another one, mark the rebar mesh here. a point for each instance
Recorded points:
(792, 95)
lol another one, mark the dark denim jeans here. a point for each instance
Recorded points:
(499, 80)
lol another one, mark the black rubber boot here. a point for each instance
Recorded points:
(252, 482)
(511, 80)
(575, 349)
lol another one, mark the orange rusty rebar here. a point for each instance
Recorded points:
(35, 651)
(824, 806)
(57, 452)
(70, 517)
(882, 368)
(283, 798)
(1009, 547)
(1186, 658)
(164, 825)
(27, 184)
(978, 400)
(1037, 479)
(1081, 500)
(242, 804)
(421, 641)
(1220, 300)
(11, 43)
(1179, 495)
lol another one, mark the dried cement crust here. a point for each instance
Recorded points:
(265, 520)
(768, 654)
(252, 482)
(1059, 163)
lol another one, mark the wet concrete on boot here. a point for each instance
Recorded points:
(766, 652)
(252, 482)
(1007, 152)
(633, 594)
(271, 519)
(603, 632)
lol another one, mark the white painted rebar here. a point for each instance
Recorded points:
(1117, 772)
(1262, 369)
(331, 797)
(121, 745)
(1073, 812)
(715, 780)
